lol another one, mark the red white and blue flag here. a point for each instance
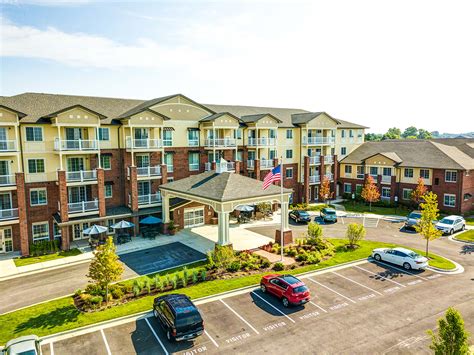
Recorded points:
(273, 175)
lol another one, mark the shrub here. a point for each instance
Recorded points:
(210, 261)
(355, 233)
(278, 266)
(222, 256)
(136, 290)
(315, 231)
(185, 273)
(97, 300)
(78, 292)
(94, 290)
(184, 281)
(147, 286)
(291, 252)
(276, 248)
(167, 280)
(86, 298)
(116, 292)
(234, 266)
(174, 282)
(203, 275)
(158, 283)
(302, 256)
(265, 263)
(195, 277)
(314, 257)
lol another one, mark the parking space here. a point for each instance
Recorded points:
(235, 323)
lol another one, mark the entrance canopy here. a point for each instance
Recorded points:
(223, 192)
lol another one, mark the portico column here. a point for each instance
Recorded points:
(223, 231)
(165, 198)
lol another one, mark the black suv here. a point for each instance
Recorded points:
(300, 216)
(178, 316)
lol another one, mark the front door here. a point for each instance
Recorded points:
(6, 242)
(77, 231)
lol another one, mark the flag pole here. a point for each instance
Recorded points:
(282, 234)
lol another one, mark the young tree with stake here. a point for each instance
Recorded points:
(325, 189)
(429, 213)
(370, 193)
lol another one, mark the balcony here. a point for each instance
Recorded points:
(328, 159)
(193, 142)
(230, 166)
(314, 179)
(150, 199)
(143, 143)
(169, 168)
(266, 164)
(83, 206)
(8, 214)
(386, 179)
(149, 171)
(81, 176)
(8, 146)
(329, 176)
(318, 140)
(261, 142)
(7, 180)
(316, 160)
(220, 143)
(76, 145)
(250, 164)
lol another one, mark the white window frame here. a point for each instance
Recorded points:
(102, 162)
(449, 196)
(289, 134)
(193, 166)
(409, 194)
(101, 135)
(44, 237)
(45, 195)
(111, 191)
(36, 166)
(389, 192)
(291, 154)
(34, 135)
(451, 173)
(360, 176)
(350, 169)
(286, 173)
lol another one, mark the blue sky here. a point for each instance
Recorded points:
(372, 62)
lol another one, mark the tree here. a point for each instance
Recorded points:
(424, 134)
(355, 233)
(325, 189)
(373, 137)
(315, 231)
(105, 267)
(265, 208)
(370, 193)
(410, 131)
(452, 338)
(429, 213)
(418, 193)
(392, 133)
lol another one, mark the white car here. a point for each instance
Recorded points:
(451, 224)
(406, 258)
(28, 344)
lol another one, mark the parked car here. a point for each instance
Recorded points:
(328, 215)
(289, 289)
(300, 216)
(406, 258)
(178, 316)
(451, 224)
(27, 345)
(412, 219)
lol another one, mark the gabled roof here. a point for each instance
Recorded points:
(54, 114)
(214, 116)
(128, 114)
(255, 118)
(301, 118)
(20, 114)
(222, 187)
(390, 155)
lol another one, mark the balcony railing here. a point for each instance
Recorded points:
(81, 176)
(7, 180)
(330, 176)
(169, 168)
(83, 206)
(266, 164)
(77, 144)
(193, 166)
(318, 140)
(220, 142)
(386, 179)
(149, 199)
(142, 143)
(6, 214)
(250, 164)
(193, 142)
(148, 171)
(316, 160)
(261, 142)
(230, 165)
(314, 179)
(328, 159)
(8, 146)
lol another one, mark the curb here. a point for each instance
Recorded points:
(459, 269)
(454, 239)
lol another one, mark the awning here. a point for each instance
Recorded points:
(168, 129)
(193, 129)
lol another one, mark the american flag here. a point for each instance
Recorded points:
(273, 175)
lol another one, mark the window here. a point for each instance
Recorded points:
(38, 197)
(104, 134)
(424, 173)
(359, 133)
(407, 194)
(387, 171)
(289, 154)
(238, 134)
(289, 134)
(385, 192)
(110, 223)
(34, 134)
(289, 173)
(273, 154)
(451, 176)
(351, 133)
(449, 200)
(108, 191)
(272, 133)
(436, 181)
(408, 173)
(358, 189)
(360, 172)
(193, 161)
(348, 169)
(374, 171)
(343, 150)
(35, 166)
(193, 137)
(167, 138)
(347, 188)
(343, 133)
(105, 162)
(40, 231)
(169, 162)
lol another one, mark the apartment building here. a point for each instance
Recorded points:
(446, 166)
(67, 162)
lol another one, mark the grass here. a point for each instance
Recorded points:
(436, 260)
(61, 314)
(467, 236)
(39, 259)
(361, 207)
(470, 221)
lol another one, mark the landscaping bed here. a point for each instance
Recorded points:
(28, 260)
(467, 236)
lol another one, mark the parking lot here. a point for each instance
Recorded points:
(349, 306)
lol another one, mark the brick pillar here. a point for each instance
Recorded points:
(379, 183)
(256, 169)
(164, 173)
(101, 192)
(64, 213)
(237, 167)
(22, 215)
(133, 189)
(335, 171)
(306, 179)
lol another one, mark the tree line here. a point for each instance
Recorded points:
(396, 133)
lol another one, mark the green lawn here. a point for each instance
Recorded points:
(39, 259)
(61, 315)
(361, 207)
(436, 260)
(470, 221)
(468, 236)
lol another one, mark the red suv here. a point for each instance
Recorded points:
(287, 288)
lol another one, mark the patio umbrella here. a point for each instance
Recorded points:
(122, 225)
(95, 229)
(151, 220)
(244, 208)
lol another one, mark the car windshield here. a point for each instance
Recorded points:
(304, 213)
(300, 289)
(414, 215)
(446, 221)
(27, 352)
(413, 255)
(330, 212)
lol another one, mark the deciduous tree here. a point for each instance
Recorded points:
(370, 192)
(325, 189)
(410, 132)
(452, 338)
(392, 133)
(418, 193)
(429, 213)
(355, 233)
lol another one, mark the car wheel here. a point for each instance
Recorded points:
(407, 266)
(451, 231)
(155, 313)
(285, 302)
(377, 257)
(169, 336)
(263, 288)
(463, 227)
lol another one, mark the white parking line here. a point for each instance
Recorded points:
(330, 289)
(105, 341)
(382, 277)
(51, 348)
(213, 341)
(156, 336)
(321, 308)
(238, 315)
(348, 279)
(398, 268)
(273, 307)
